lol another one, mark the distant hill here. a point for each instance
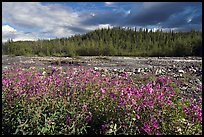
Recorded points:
(113, 42)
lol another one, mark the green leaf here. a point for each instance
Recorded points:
(24, 124)
(44, 130)
(17, 130)
(24, 133)
(53, 127)
(109, 131)
(19, 120)
(115, 126)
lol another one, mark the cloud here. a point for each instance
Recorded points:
(105, 26)
(165, 15)
(196, 19)
(185, 20)
(53, 20)
(9, 32)
(151, 13)
(114, 17)
(46, 21)
(108, 3)
(189, 27)
(8, 29)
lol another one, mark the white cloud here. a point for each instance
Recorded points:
(93, 14)
(25, 37)
(108, 3)
(44, 21)
(111, 4)
(189, 19)
(100, 26)
(44, 18)
(9, 32)
(7, 29)
(53, 19)
(105, 26)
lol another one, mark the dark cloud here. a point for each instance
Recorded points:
(104, 17)
(161, 14)
(184, 21)
(76, 29)
(189, 27)
(196, 19)
(176, 20)
(153, 13)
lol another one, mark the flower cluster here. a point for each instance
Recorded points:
(79, 100)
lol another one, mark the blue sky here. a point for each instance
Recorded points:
(45, 20)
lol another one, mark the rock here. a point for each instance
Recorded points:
(180, 71)
(180, 75)
(33, 67)
(158, 72)
(174, 69)
(175, 75)
(130, 73)
(183, 88)
(137, 71)
(169, 69)
(190, 81)
(145, 69)
(115, 70)
(95, 68)
(105, 70)
(121, 70)
(5, 67)
(198, 81)
(163, 71)
(44, 73)
(142, 70)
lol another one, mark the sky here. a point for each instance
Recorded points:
(48, 20)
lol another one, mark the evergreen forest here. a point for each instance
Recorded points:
(115, 41)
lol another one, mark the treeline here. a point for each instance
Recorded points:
(113, 42)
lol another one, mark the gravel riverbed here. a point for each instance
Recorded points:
(187, 70)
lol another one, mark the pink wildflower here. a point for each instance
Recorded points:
(172, 93)
(158, 133)
(138, 117)
(155, 125)
(103, 90)
(146, 127)
(150, 90)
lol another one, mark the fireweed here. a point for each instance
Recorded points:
(78, 100)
